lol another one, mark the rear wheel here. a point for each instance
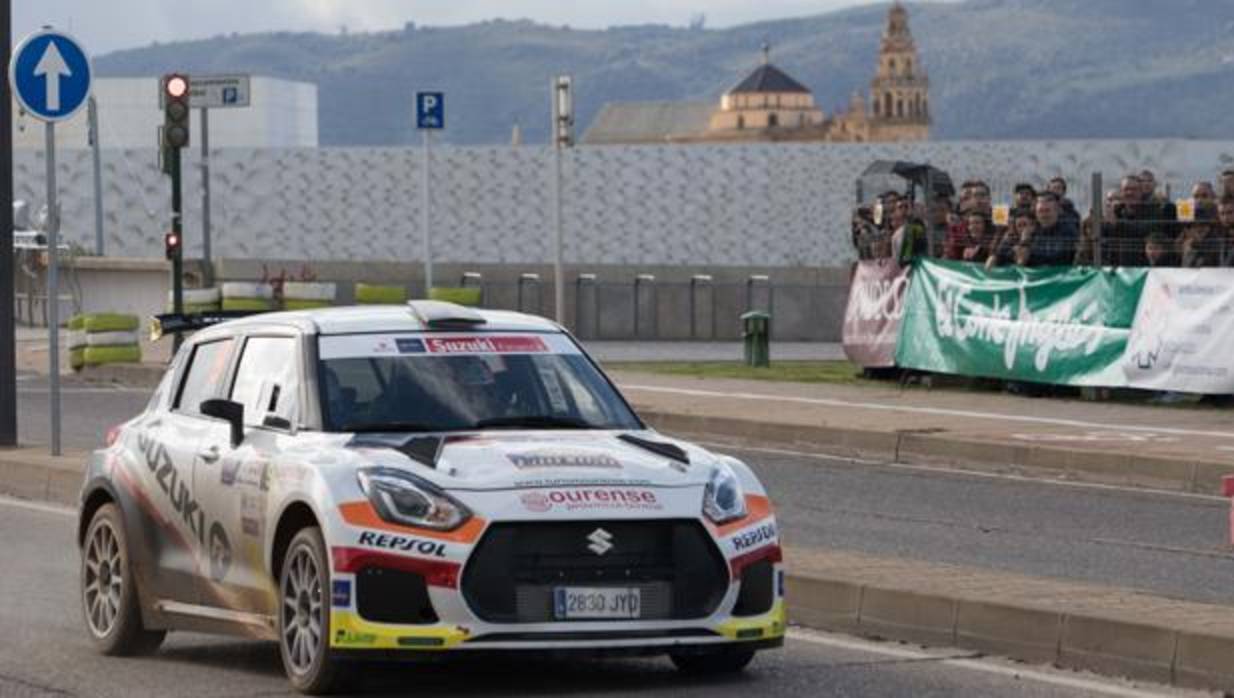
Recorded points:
(109, 597)
(304, 616)
(713, 663)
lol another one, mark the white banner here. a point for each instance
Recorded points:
(1180, 339)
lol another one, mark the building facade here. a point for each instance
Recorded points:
(769, 106)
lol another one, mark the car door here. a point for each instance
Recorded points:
(176, 525)
(233, 482)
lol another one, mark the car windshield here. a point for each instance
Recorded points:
(458, 382)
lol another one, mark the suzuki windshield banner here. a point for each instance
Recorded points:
(1063, 325)
(872, 317)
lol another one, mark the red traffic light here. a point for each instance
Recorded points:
(177, 86)
(171, 244)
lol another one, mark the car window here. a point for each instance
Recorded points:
(446, 382)
(267, 381)
(203, 380)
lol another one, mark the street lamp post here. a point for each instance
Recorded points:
(563, 137)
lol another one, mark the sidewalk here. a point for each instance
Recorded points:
(1187, 449)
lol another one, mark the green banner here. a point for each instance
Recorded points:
(1063, 325)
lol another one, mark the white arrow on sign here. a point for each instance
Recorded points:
(52, 67)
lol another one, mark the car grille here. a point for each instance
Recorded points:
(515, 568)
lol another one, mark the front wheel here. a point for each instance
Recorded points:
(304, 616)
(714, 663)
(109, 597)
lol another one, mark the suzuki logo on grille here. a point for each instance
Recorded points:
(601, 541)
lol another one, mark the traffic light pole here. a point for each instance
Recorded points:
(8, 339)
(177, 229)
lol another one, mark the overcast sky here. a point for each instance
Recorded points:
(106, 25)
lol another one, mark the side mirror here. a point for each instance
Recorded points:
(232, 412)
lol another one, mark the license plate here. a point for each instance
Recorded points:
(571, 603)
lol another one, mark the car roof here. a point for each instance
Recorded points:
(415, 316)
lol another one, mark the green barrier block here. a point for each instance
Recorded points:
(371, 294)
(295, 304)
(109, 322)
(77, 358)
(257, 304)
(462, 296)
(97, 356)
(77, 322)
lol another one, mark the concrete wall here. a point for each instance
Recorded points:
(765, 205)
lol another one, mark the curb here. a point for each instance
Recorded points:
(926, 448)
(1081, 641)
(30, 473)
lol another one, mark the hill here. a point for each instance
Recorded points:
(999, 68)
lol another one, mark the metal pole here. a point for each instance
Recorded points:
(177, 227)
(92, 110)
(205, 192)
(559, 280)
(8, 343)
(1097, 217)
(53, 287)
(425, 218)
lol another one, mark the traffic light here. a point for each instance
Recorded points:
(171, 245)
(175, 110)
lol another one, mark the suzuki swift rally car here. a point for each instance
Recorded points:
(394, 481)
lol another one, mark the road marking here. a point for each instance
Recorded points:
(37, 506)
(1109, 688)
(965, 473)
(942, 411)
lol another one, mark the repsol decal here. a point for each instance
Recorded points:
(420, 546)
(748, 539)
(210, 534)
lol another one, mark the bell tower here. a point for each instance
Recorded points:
(899, 92)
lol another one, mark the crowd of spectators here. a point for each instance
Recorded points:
(1137, 226)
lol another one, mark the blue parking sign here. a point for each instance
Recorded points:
(430, 110)
(50, 74)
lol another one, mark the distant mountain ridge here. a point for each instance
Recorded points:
(998, 68)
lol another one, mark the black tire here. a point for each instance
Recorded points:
(304, 612)
(110, 602)
(717, 663)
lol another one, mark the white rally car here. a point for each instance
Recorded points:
(393, 481)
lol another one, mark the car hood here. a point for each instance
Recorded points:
(513, 459)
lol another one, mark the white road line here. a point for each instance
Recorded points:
(1110, 688)
(85, 391)
(927, 410)
(967, 473)
(37, 506)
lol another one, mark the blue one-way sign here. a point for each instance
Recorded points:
(430, 110)
(50, 74)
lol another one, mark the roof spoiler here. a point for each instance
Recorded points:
(176, 323)
(443, 315)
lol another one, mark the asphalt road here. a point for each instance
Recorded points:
(44, 653)
(1168, 544)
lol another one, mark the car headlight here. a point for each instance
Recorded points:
(403, 498)
(723, 499)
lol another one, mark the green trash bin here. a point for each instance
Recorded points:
(756, 331)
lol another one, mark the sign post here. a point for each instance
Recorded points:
(430, 116)
(50, 74)
(563, 137)
(213, 92)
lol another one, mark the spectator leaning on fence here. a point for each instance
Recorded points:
(1014, 246)
(1025, 199)
(1123, 241)
(1058, 187)
(1159, 251)
(1225, 228)
(1201, 243)
(1227, 183)
(1205, 199)
(1054, 243)
(977, 239)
